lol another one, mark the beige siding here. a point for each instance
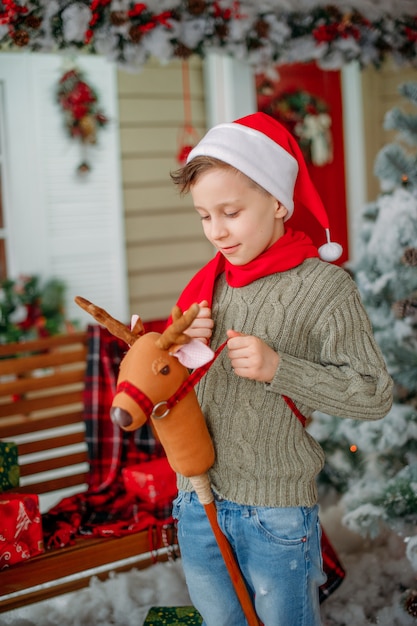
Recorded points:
(380, 94)
(164, 240)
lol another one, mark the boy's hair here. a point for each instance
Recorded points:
(186, 176)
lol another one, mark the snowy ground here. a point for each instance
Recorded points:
(377, 575)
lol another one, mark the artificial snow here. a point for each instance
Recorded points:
(378, 575)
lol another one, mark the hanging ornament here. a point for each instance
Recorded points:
(404, 180)
(82, 114)
(83, 168)
(188, 136)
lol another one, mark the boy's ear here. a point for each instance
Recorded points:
(281, 211)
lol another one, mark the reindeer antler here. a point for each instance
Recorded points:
(114, 326)
(174, 334)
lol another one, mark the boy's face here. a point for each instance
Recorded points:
(238, 218)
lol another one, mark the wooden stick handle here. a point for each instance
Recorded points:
(203, 490)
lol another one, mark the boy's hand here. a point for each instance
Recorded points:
(202, 326)
(251, 357)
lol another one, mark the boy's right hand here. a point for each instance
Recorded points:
(202, 326)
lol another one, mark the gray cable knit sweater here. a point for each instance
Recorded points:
(313, 317)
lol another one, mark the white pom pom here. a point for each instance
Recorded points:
(330, 251)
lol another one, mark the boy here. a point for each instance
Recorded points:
(299, 340)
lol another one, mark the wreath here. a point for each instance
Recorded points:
(29, 309)
(82, 114)
(307, 117)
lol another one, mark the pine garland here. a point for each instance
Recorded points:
(265, 35)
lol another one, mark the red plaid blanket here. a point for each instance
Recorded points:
(109, 447)
(105, 508)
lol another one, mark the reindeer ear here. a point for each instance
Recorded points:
(193, 354)
(136, 325)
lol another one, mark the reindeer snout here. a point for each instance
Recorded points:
(120, 417)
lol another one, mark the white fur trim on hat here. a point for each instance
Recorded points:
(255, 155)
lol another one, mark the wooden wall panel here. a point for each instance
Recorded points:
(380, 94)
(152, 197)
(144, 83)
(146, 170)
(142, 228)
(165, 244)
(165, 256)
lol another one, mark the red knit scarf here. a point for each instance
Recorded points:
(289, 251)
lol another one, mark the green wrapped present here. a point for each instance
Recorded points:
(9, 469)
(174, 616)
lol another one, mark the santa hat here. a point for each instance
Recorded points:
(266, 152)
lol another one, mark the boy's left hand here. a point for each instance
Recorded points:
(251, 357)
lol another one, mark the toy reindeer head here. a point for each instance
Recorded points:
(154, 383)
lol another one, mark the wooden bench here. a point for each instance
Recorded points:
(41, 409)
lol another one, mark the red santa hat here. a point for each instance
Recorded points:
(266, 152)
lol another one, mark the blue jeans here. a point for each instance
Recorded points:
(278, 551)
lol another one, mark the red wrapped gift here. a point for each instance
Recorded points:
(21, 534)
(153, 482)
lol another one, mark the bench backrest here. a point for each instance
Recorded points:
(41, 409)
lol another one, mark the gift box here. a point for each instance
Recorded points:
(21, 534)
(173, 615)
(9, 468)
(153, 482)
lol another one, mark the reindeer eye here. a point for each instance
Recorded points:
(161, 366)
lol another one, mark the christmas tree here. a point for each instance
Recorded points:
(373, 465)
